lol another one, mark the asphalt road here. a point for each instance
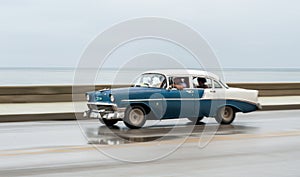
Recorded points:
(256, 144)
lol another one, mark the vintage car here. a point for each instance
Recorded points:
(169, 94)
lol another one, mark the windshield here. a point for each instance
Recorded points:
(151, 80)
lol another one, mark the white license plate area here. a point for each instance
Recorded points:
(95, 115)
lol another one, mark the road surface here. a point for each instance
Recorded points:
(256, 144)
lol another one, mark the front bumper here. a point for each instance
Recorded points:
(100, 110)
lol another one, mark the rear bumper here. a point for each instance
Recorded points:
(259, 106)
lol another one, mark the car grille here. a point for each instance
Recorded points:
(106, 108)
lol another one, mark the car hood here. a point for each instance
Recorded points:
(122, 93)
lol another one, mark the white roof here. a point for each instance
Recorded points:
(185, 72)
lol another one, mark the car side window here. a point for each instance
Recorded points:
(209, 83)
(217, 84)
(179, 82)
(202, 82)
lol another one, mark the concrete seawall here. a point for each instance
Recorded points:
(42, 94)
(271, 89)
(36, 103)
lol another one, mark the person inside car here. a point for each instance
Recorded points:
(179, 84)
(201, 82)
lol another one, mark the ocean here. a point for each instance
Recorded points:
(65, 76)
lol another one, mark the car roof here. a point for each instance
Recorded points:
(184, 72)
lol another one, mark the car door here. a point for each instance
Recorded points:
(213, 97)
(200, 105)
(180, 103)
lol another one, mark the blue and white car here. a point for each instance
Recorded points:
(170, 94)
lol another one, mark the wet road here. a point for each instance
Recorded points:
(256, 144)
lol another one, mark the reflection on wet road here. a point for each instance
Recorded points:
(121, 135)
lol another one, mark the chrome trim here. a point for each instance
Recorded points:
(108, 115)
(190, 91)
(192, 99)
(160, 99)
(115, 113)
(259, 106)
(103, 103)
(185, 99)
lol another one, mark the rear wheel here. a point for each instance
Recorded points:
(225, 115)
(135, 117)
(108, 122)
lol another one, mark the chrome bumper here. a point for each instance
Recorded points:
(259, 106)
(100, 110)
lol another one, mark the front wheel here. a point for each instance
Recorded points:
(135, 117)
(225, 115)
(108, 122)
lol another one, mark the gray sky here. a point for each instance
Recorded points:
(243, 33)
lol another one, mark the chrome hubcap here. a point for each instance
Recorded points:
(136, 116)
(227, 113)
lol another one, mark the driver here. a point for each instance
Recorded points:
(201, 82)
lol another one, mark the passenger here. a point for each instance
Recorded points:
(201, 82)
(179, 84)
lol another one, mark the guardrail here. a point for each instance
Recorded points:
(48, 94)
(271, 89)
(40, 94)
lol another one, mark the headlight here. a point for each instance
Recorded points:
(112, 98)
(88, 97)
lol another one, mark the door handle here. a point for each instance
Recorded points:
(190, 91)
(212, 91)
